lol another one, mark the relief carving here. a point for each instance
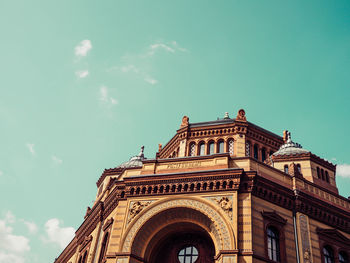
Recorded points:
(220, 229)
(305, 239)
(225, 203)
(136, 208)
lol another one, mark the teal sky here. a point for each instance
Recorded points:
(85, 83)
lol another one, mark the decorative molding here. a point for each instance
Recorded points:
(333, 235)
(108, 223)
(305, 239)
(86, 241)
(218, 224)
(225, 203)
(274, 217)
(135, 208)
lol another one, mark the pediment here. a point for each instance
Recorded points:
(333, 234)
(274, 217)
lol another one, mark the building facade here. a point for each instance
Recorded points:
(219, 191)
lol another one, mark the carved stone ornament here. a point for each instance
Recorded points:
(305, 238)
(225, 204)
(241, 115)
(136, 208)
(223, 237)
(185, 120)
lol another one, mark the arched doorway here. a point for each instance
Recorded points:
(162, 225)
(181, 243)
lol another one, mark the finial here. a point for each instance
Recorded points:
(184, 122)
(285, 136)
(159, 147)
(289, 137)
(241, 115)
(142, 149)
(226, 116)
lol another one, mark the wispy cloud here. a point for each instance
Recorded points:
(82, 49)
(105, 98)
(140, 64)
(82, 74)
(56, 160)
(12, 247)
(131, 68)
(30, 147)
(31, 226)
(171, 47)
(343, 170)
(57, 234)
(150, 80)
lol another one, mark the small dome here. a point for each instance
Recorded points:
(290, 147)
(135, 161)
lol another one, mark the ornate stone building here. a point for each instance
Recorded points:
(219, 191)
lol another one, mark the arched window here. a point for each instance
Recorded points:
(220, 146)
(322, 174)
(286, 168)
(247, 149)
(256, 151)
(103, 248)
(327, 177)
(192, 149)
(230, 146)
(211, 147)
(201, 148)
(318, 173)
(263, 154)
(328, 254)
(85, 257)
(299, 168)
(273, 244)
(343, 257)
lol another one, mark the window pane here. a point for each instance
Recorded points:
(230, 147)
(247, 149)
(211, 148)
(221, 147)
(201, 149)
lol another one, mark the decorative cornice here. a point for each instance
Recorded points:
(305, 156)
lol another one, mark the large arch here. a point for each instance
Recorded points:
(161, 217)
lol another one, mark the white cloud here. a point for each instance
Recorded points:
(105, 98)
(171, 47)
(83, 48)
(10, 258)
(113, 101)
(30, 147)
(9, 217)
(82, 73)
(57, 234)
(56, 160)
(150, 80)
(343, 170)
(31, 226)
(12, 247)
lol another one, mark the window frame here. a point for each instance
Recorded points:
(274, 220)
